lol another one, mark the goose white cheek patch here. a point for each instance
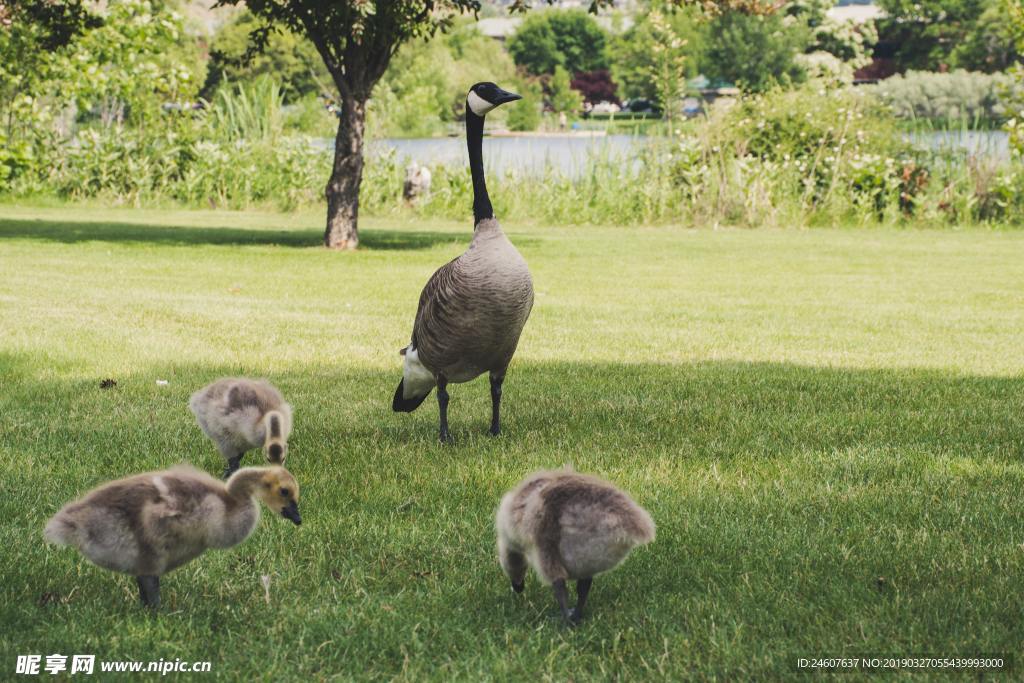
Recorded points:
(479, 105)
(417, 380)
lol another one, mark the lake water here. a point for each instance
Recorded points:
(566, 154)
(570, 155)
(980, 143)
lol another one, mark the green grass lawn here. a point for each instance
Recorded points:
(827, 427)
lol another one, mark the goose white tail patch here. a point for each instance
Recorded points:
(417, 380)
(161, 486)
(479, 105)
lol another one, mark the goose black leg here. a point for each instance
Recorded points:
(562, 596)
(233, 464)
(496, 381)
(149, 590)
(442, 405)
(582, 591)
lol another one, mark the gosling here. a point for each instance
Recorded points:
(241, 414)
(149, 524)
(567, 526)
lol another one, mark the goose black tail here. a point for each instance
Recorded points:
(400, 404)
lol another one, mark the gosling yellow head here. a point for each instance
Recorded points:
(279, 491)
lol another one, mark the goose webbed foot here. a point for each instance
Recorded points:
(582, 591)
(233, 464)
(562, 597)
(442, 404)
(496, 381)
(149, 590)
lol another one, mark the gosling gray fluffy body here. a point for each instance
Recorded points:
(149, 524)
(567, 526)
(240, 414)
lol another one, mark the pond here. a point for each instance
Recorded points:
(993, 144)
(567, 154)
(571, 154)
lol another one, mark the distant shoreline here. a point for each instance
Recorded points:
(551, 134)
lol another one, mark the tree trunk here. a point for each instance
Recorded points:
(347, 174)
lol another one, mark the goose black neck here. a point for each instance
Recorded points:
(475, 140)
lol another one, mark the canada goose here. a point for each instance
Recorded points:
(148, 524)
(567, 526)
(241, 414)
(473, 309)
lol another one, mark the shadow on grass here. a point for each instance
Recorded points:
(713, 410)
(830, 518)
(73, 232)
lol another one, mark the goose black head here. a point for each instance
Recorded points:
(483, 97)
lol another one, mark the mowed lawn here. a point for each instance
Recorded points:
(827, 427)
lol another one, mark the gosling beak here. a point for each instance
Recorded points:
(504, 96)
(292, 512)
(518, 587)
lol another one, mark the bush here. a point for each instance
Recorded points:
(959, 96)
(525, 115)
(563, 97)
(595, 86)
(826, 148)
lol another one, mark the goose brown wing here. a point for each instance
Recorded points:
(434, 299)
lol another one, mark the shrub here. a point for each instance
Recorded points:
(525, 115)
(595, 86)
(959, 96)
(563, 97)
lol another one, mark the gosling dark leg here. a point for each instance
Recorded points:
(582, 591)
(233, 464)
(442, 405)
(149, 590)
(496, 381)
(562, 596)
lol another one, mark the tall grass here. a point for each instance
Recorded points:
(249, 112)
(803, 158)
(809, 157)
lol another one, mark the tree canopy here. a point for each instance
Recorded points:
(939, 34)
(288, 57)
(568, 39)
(754, 51)
(633, 61)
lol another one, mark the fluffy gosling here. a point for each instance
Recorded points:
(149, 524)
(241, 414)
(567, 526)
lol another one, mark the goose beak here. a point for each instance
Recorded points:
(504, 96)
(292, 512)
